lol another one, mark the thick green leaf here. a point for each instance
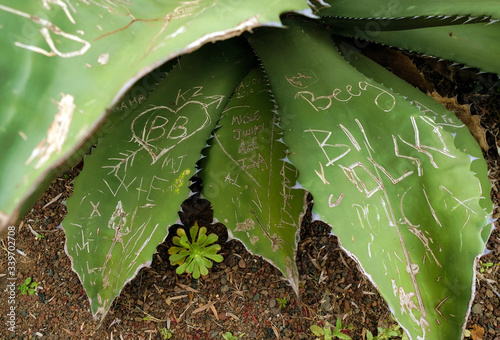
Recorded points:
(425, 103)
(249, 182)
(384, 173)
(371, 27)
(410, 8)
(133, 184)
(64, 63)
(474, 45)
(372, 17)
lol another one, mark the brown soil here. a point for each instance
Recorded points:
(238, 295)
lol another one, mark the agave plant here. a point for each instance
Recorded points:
(286, 109)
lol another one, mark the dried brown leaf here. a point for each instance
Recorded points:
(202, 308)
(477, 332)
(233, 316)
(462, 112)
(52, 200)
(187, 288)
(212, 307)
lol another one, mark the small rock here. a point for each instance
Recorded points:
(270, 333)
(51, 272)
(231, 261)
(224, 288)
(489, 293)
(242, 263)
(256, 297)
(326, 304)
(272, 303)
(477, 309)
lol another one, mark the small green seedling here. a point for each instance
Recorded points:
(387, 333)
(282, 302)
(230, 336)
(28, 287)
(328, 333)
(196, 255)
(165, 333)
(486, 266)
(325, 332)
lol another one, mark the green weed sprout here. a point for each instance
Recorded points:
(282, 302)
(165, 333)
(327, 333)
(230, 336)
(196, 255)
(486, 266)
(28, 287)
(387, 333)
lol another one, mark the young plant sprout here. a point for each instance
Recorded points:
(195, 255)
